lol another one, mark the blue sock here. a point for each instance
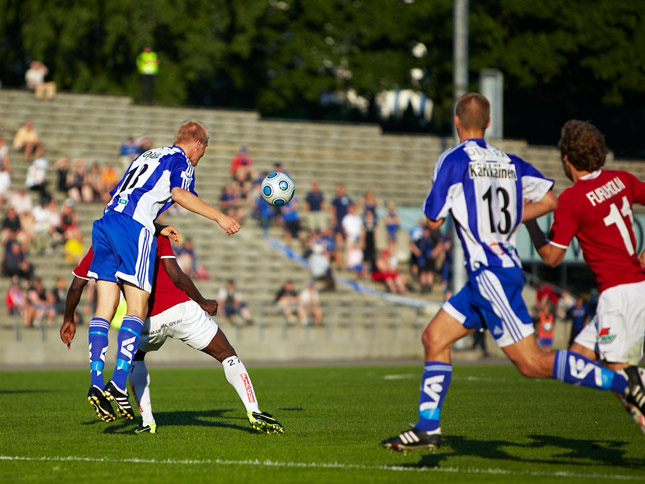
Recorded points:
(128, 345)
(434, 386)
(98, 341)
(575, 369)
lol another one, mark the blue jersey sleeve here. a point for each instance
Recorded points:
(182, 174)
(446, 180)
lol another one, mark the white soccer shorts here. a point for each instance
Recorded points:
(185, 321)
(619, 329)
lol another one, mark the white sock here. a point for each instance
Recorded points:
(238, 377)
(140, 385)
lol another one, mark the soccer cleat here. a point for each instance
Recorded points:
(413, 439)
(151, 428)
(264, 422)
(102, 407)
(635, 392)
(120, 399)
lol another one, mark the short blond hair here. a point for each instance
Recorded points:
(191, 130)
(473, 111)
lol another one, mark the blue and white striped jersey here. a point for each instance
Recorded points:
(144, 192)
(484, 189)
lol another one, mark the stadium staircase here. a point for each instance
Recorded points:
(397, 168)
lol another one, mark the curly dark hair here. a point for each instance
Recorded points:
(583, 144)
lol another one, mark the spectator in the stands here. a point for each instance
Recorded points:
(108, 180)
(241, 161)
(43, 301)
(392, 225)
(328, 238)
(288, 300)
(80, 189)
(387, 273)
(229, 204)
(338, 209)
(370, 235)
(415, 234)
(369, 204)
(11, 225)
(5, 184)
(4, 155)
(187, 260)
(62, 174)
(232, 301)
(16, 261)
(353, 228)
(16, 302)
(355, 259)
(291, 221)
(93, 181)
(128, 151)
(311, 308)
(319, 262)
(430, 251)
(28, 141)
(36, 180)
(315, 208)
(35, 80)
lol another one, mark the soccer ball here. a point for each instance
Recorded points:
(277, 189)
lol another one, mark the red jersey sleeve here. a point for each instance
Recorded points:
(637, 186)
(565, 221)
(83, 268)
(164, 248)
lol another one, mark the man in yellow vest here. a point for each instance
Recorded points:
(148, 66)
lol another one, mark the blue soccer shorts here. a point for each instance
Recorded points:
(492, 299)
(124, 250)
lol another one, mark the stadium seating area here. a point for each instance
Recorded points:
(396, 168)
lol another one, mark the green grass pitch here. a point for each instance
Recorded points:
(497, 426)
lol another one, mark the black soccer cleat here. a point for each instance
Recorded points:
(413, 439)
(102, 407)
(120, 399)
(635, 392)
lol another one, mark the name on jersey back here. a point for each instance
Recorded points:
(487, 169)
(606, 191)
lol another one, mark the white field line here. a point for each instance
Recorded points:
(326, 465)
(408, 376)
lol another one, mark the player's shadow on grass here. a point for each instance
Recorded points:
(563, 451)
(201, 418)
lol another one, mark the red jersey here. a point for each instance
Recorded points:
(164, 292)
(597, 210)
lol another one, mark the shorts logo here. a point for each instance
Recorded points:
(432, 387)
(247, 386)
(579, 370)
(604, 337)
(127, 347)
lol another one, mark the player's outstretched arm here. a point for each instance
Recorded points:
(198, 206)
(185, 283)
(68, 329)
(533, 210)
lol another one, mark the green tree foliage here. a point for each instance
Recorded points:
(559, 59)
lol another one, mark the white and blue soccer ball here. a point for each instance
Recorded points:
(277, 188)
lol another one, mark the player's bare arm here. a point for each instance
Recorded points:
(533, 210)
(185, 283)
(198, 206)
(68, 329)
(549, 253)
